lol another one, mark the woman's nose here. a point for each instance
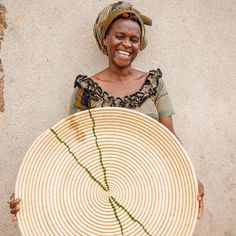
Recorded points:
(126, 43)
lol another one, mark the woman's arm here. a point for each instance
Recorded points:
(168, 123)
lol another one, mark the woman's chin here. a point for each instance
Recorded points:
(122, 63)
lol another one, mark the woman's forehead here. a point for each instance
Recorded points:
(126, 25)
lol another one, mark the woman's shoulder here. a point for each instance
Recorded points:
(154, 78)
(84, 82)
(80, 81)
(155, 74)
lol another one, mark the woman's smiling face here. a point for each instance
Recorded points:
(123, 42)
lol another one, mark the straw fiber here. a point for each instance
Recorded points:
(107, 171)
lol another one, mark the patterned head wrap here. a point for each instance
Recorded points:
(107, 16)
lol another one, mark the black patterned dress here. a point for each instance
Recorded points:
(152, 99)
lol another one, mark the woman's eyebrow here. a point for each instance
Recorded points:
(123, 32)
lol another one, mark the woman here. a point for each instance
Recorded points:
(120, 34)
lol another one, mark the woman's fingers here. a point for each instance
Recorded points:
(14, 204)
(15, 210)
(12, 197)
(200, 209)
(200, 199)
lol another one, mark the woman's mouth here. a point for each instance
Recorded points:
(124, 54)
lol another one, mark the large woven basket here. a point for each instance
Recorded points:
(107, 171)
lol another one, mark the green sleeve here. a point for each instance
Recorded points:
(162, 100)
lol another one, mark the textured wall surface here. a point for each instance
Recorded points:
(47, 43)
(3, 26)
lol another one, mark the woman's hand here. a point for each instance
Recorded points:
(200, 199)
(14, 204)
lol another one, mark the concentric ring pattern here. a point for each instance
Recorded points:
(107, 171)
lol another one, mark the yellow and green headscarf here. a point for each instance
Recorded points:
(109, 14)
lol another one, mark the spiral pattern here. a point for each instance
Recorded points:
(107, 171)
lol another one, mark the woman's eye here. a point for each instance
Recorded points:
(134, 40)
(119, 36)
(123, 37)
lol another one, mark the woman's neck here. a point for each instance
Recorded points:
(119, 74)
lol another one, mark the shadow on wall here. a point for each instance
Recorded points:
(3, 26)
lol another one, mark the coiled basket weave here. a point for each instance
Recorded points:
(107, 171)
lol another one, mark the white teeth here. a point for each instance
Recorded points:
(124, 53)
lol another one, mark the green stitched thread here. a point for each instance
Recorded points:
(129, 214)
(112, 200)
(85, 168)
(100, 152)
(116, 215)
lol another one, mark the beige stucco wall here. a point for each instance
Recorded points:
(48, 43)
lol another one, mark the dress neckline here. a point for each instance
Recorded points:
(148, 89)
(146, 81)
